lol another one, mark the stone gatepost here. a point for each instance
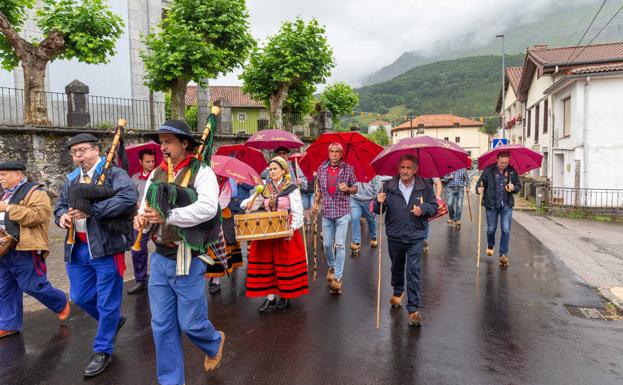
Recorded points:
(224, 125)
(77, 104)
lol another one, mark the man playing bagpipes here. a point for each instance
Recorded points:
(181, 200)
(94, 204)
(25, 213)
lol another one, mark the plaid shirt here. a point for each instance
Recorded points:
(338, 205)
(459, 180)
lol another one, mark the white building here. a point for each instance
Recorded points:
(123, 76)
(514, 110)
(380, 124)
(573, 113)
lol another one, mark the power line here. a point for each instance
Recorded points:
(589, 27)
(600, 31)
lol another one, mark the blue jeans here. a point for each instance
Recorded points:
(409, 254)
(308, 200)
(506, 215)
(454, 198)
(97, 287)
(18, 275)
(357, 208)
(334, 231)
(178, 304)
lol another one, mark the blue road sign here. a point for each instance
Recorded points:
(496, 142)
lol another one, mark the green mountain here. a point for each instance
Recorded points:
(467, 87)
(563, 25)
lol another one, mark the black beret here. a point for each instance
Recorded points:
(81, 138)
(12, 165)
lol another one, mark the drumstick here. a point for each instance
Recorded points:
(258, 190)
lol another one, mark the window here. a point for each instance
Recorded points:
(537, 120)
(446, 138)
(545, 115)
(566, 120)
(457, 139)
(242, 116)
(528, 124)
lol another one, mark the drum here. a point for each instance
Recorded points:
(261, 225)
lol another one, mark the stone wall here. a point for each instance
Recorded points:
(43, 150)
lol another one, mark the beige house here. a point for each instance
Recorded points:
(462, 131)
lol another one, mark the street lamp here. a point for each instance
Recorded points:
(503, 88)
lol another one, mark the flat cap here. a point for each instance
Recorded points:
(81, 138)
(12, 165)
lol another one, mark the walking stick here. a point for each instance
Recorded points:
(296, 164)
(469, 206)
(315, 229)
(479, 229)
(378, 284)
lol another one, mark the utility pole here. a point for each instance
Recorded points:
(503, 89)
(410, 126)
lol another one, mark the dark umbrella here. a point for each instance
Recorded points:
(249, 155)
(522, 158)
(358, 152)
(436, 157)
(273, 139)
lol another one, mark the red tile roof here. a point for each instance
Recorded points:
(597, 68)
(514, 77)
(438, 121)
(232, 94)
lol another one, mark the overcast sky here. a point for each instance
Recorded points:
(368, 34)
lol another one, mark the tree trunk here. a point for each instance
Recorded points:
(276, 106)
(35, 103)
(178, 99)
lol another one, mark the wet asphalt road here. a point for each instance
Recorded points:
(487, 327)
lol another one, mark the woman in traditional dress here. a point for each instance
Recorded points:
(278, 267)
(228, 192)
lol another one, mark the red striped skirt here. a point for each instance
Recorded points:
(277, 266)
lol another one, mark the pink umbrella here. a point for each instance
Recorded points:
(229, 167)
(273, 139)
(133, 151)
(522, 158)
(248, 155)
(436, 157)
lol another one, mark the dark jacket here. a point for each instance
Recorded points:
(400, 224)
(101, 242)
(487, 180)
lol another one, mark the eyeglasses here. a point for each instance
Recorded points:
(80, 151)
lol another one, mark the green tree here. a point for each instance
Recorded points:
(379, 137)
(199, 39)
(339, 98)
(288, 68)
(85, 30)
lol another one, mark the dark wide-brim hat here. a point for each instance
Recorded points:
(82, 138)
(176, 127)
(12, 165)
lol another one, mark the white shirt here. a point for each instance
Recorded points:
(406, 190)
(296, 206)
(202, 210)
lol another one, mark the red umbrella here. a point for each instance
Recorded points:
(273, 139)
(246, 154)
(522, 158)
(436, 157)
(358, 152)
(229, 167)
(133, 151)
(296, 156)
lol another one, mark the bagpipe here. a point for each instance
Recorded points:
(164, 197)
(81, 196)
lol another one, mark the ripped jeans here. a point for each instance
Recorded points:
(334, 231)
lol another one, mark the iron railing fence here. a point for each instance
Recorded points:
(583, 197)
